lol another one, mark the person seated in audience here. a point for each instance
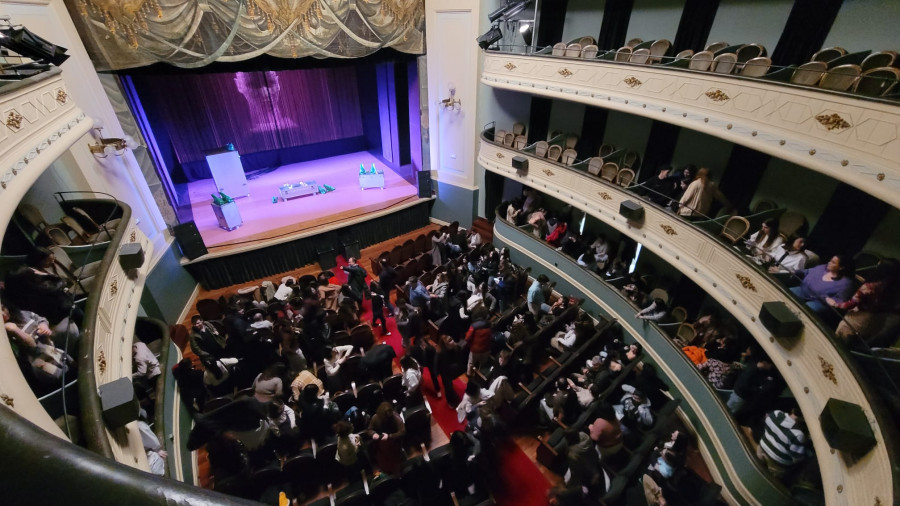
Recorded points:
(260, 321)
(632, 352)
(588, 260)
(411, 380)
(300, 382)
(617, 269)
(41, 287)
(283, 430)
(656, 311)
(437, 293)
(268, 385)
(605, 431)
(634, 412)
(190, 385)
(538, 222)
(328, 292)
(721, 375)
(348, 450)
(661, 188)
(387, 431)
(789, 259)
(868, 307)
(584, 471)
(418, 294)
(356, 279)
(698, 197)
(217, 375)
(724, 347)
(473, 239)
(782, 446)
(536, 303)
(145, 364)
(376, 295)
(205, 340)
(513, 211)
(562, 406)
(555, 236)
(572, 244)
(564, 339)
(756, 381)
(285, 290)
(633, 292)
(600, 247)
(591, 372)
(833, 280)
(29, 334)
(156, 455)
(763, 242)
(585, 396)
(334, 357)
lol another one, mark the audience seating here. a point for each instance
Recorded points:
(756, 67)
(639, 56)
(634, 42)
(715, 47)
(809, 73)
(828, 54)
(877, 82)
(701, 60)
(735, 229)
(559, 49)
(724, 63)
(840, 78)
(554, 152)
(608, 171)
(624, 177)
(623, 54)
(590, 51)
(573, 50)
(540, 148)
(568, 156)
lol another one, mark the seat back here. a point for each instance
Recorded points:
(686, 333)
(678, 314)
(756, 67)
(520, 142)
(624, 177)
(735, 228)
(701, 60)
(540, 148)
(879, 59)
(623, 54)
(594, 165)
(58, 236)
(421, 246)
(715, 46)
(571, 141)
(509, 139)
(877, 82)
(631, 159)
(724, 63)
(639, 56)
(608, 171)
(634, 42)
(606, 150)
(559, 49)
(518, 128)
(686, 54)
(499, 135)
(809, 73)
(828, 54)
(32, 215)
(589, 51)
(659, 48)
(573, 50)
(587, 40)
(840, 78)
(749, 52)
(554, 152)
(568, 156)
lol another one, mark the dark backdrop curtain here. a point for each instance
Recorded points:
(805, 32)
(742, 176)
(660, 148)
(553, 17)
(256, 111)
(696, 22)
(613, 28)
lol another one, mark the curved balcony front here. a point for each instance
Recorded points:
(852, 139)
(813, 364)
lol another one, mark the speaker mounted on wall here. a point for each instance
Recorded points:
(846, 428)
(520, 163)
(189, 240)
(120, 405)
(424, 180)
(778, 319)
(632, 211)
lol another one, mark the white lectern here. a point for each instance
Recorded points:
(227, 172)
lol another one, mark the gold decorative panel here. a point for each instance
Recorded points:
(832, 122)
(632, 81)
(14, 120)
(746, 283)
(565, 72)
(717, 95)
(827, 370)
(668, 230)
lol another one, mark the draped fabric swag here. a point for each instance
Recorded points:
(193, 33)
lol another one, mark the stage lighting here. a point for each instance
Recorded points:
(23, 42)
(492, 35)
(527, 33)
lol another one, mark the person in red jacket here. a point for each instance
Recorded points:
(479, 340)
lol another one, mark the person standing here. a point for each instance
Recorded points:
(356, 279)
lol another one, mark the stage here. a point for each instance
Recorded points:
(265, 223)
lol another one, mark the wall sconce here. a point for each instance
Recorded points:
(104, 147)
(451, 102)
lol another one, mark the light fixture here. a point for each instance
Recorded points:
(527, 33)
(504, 13)
(33, 53)
(104, 147)
(452, 103)
(488, 39)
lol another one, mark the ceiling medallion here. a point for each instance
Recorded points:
(669, 230)
(565, 72)
(604, 195)
(509, 66)
(746, 283)
(14, 120)
(827, 370)
(717, 95)
(548, 172)
(632, 81)
(832, 122)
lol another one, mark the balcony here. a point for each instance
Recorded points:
(814, 364)
(852, 139)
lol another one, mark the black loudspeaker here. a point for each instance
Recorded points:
(779, 320)
(847, 428)
(119, 404)
(632, 211)
(520, 163)
(131, 256)
(189, 240)
(424, 177)
(326, 257)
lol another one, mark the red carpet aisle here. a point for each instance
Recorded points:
(520, 481)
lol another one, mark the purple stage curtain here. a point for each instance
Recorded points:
(255, 111)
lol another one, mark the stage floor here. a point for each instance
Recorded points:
(265, 222)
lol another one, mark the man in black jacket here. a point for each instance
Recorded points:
(387, 280)
(356, 279)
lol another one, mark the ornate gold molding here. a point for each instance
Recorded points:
(604, 196)
(832, 121)
(564, 72)
(669, 230)
(717, 95)
(114, 287)
(746, 283)
(133, 236)
(500, 155)
(61, 96)
(632, 81)
(880, 176)
(14, 120)
(509, 66)
(101, 362)
(9, 401)
(827, 370)
(548, 172)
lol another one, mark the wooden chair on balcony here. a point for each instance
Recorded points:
(559, 49)
(828, 54)
(685, 334)
(571, 141)
(701, 61)
(879, 59)
(624, 177)
(840, 78)
(756, 67)
(554, 152)
(623, 54)
(684, 55)
(573, 50)
(608, 171)
(809, 73)
(678, 314)
(659, 49)
(83, 235)
(586, 40)
(747, 53)
(590, 51)
(877, 82)
(509, 139)
(631, 160)
(639, 56)
(520, 142)
(540, 148)
(499, 135)
(716, 46)
(735, 228)
(724, 63)
(634, 42)
(606, 150)
(518, 128)
(569, 156)
(594, 165)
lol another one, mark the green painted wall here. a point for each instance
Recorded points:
(703, 151)
(655, 19)
(627, 131)
(885, 240)
(866, 24)
(781, 181)
(455, 203)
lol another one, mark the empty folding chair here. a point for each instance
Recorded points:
(608, 171)
(623, 54)
(640, 56)
(879, 59)
(624, 177)
(809, 73)
(509, 139)
(659, 49)
(571, 141)
(587, 40)
(631, 159)
(559, 49)
(756, 67)
(634, 42)
(520, 142)
(735, 228)
(554, 152)
(92, 226)
(701, 60)
(716, 46)
(518, 128)
(683, 55)
(589, 51)
(540, 148)
(828, 54)
(573, 50)
(594, 165)
(840, 78)
(499, 135)
(724, 63)
(606, 150)
(83, 235)
(749, 52)
(568, 156)
(877, 82)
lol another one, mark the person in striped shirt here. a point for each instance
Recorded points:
(782, 445)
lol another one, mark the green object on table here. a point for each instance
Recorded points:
(362, 169)
(274, 200)
(216, 200)
(373, 169)
(329, 188)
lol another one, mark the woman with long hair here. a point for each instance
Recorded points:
(763, 243)
(387, 431)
